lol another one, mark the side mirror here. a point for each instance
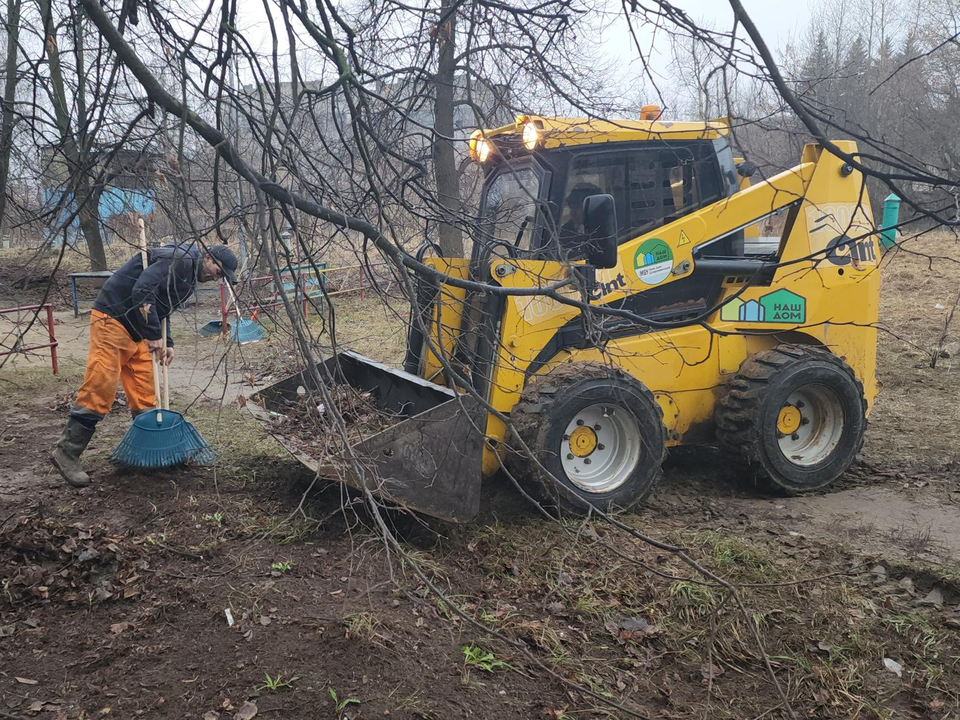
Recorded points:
(600, 225)
(746, 168)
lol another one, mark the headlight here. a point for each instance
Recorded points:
(480, 147)
(484, 148)
(531, 136)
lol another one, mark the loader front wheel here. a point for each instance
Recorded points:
(596, 437)
(796, 413)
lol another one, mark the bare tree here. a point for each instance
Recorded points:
(9, 96)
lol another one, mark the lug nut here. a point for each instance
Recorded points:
(597, 427)
(580, 423)
(586, 461)
(600, 446)
(569, 456)
(794, 437)
(566, 437)
(799, 404)
(804, 421)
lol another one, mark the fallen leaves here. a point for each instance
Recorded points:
(119, 627)
(247, 711)
(631, 629)
(73, 563)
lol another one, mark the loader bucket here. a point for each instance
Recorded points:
(430, 461)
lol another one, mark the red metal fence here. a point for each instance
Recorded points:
(306, 290)
(26, 318)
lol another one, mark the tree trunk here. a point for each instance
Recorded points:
(444, 158)
(85, 194)
(9, 96)
(88, 201)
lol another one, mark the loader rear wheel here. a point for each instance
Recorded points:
(598, 431)
(797, 413)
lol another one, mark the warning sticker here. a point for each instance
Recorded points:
(684, 240)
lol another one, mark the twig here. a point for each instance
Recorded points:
(7, 519)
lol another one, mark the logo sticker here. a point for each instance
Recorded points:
(653, 261)
(842, 232)
(602, 289)
(779, 306)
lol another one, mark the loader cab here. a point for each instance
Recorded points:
(656, 173)
(532, 204)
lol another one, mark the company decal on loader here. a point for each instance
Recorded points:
(536, 309)
(841, 233)
(779, 306)
(602, 289)
(653, 261)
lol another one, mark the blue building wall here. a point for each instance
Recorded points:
(113, 201)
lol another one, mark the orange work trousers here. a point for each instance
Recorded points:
(114, 358)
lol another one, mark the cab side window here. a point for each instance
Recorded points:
(652, 184)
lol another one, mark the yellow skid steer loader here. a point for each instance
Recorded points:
(712, 332)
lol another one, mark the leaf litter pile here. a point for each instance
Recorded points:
(42, 560)
(308, 426)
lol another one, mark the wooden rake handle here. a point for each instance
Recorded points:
(156, 366)
(166, 381)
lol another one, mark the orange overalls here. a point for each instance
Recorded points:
(114, 358)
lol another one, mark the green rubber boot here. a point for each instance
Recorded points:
(66, 456)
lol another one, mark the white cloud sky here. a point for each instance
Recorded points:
(779, 22)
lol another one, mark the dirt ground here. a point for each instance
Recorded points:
(216, 592)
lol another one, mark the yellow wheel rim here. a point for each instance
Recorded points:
(583, 441)
(788, 422)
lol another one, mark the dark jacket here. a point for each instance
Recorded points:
(170, 278)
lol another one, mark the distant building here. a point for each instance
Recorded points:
(128, 179)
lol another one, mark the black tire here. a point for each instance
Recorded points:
(753, 416)
(552, 402)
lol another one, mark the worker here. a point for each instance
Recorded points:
(125, 330)
(573, 237)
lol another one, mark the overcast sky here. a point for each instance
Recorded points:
(778, 21)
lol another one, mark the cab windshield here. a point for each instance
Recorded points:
(508, 214)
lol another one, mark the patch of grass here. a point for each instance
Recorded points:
(250, 597)
(284, 566)
(363, 626)
(544, 635)
(427, 564)
(926, 640)
(214, 519)
(240, 442)
(595, 683)
(371, 326)
(276, 683)
(157, 540)
(696, 600)
(19, 379)
(588, 604)
(252, 519)
(727, 553)
(497, 617)
(340, 705)
(476, 657)
(760, 620)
